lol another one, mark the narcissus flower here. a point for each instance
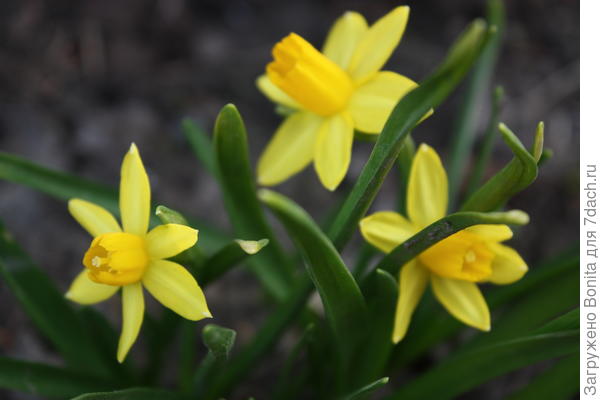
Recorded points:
(454, 265)
(128, 257)
(331, 93)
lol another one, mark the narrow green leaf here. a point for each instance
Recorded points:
(561, 381)
(483, 155)
(218, 340)
(188, 352)
(63, 186)
(440, 230)
(132, 394)
(407, 113)
(263, 341)
(467, 370)
(228, 257)
(519, 173)
(201, 145)
(405, 158)
(288, 381)
(49, 310)
(344, 304)
(477, 89)
(366, 390)
(46, 381)
(271, 266)
(381, 295)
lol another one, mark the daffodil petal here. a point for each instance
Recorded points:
(93, 218)
(386, 230)
(133, 315)
(343, 37)
(333, 149)
(291, 148)
(168, 240)
(85, 291)
(413, 281)
(463, 300)
(273, 93)
(134, 200)
(176, 289)
(373, 101)
(491, 233)
(427, 193)
(378, 43)
(507, 266)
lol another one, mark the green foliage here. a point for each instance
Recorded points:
(239, 194)
(407, 113)
(345, 352)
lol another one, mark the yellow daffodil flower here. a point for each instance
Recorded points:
(331, 93)
(130, 257)
(454, 265)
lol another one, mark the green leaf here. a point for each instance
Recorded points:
(477, 89)
(49, 310)
(344, 304)
(561, 381)
(228, 257)
(263, 341)
(63, 186)
(407, 113)
(366, 390)
(519, 173)
(132, 394)
(271, 266)
(46, 381)
(440, 230)
(483, 155)
(289, 381)
(381, 294)
(218, 340)
(467, 370)
(201, 145)
(405, 158)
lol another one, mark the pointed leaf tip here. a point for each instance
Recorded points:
(252, 246)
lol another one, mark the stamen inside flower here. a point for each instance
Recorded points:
(306, 75)
(461, 256)
(116, 259)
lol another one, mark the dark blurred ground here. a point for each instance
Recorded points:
(81, 80)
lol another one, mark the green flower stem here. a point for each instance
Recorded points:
(405, 159)
(478, 87)
(407, 113)
(484, 154)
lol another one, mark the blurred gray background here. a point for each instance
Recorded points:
(80, 80)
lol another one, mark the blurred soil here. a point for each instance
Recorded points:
(80, 80)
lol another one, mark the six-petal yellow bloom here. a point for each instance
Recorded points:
(331, 93)
(454, 265)
(130, 257)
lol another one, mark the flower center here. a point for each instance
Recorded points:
(460, 256)
(310, 78)
(116, 259)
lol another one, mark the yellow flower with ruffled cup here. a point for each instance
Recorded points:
(331, 93)
(454, 265)
(128, 257)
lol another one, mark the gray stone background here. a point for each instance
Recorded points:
(81, 80)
